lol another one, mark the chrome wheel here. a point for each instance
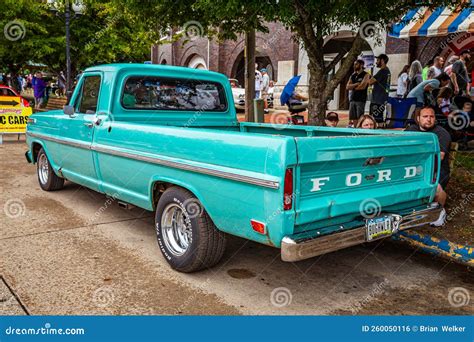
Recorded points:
(176, 229)
(43, 169)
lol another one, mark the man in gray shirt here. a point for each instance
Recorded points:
(459, 75)
(381, 83)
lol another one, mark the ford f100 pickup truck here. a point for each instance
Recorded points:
(167, 139)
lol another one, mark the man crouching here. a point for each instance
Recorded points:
(426, 122)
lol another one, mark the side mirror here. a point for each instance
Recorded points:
(69, 110)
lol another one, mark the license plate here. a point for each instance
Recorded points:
(379, 227)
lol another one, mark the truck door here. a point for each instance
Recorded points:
(77, 162)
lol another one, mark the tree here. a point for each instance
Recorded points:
(310, 21)
(103, 34)
(313, 20)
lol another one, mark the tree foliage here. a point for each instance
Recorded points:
(102, 34)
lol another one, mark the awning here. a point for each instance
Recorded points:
(438, 22)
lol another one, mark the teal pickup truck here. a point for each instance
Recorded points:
(167, 139)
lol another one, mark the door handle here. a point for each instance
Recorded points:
(88, 124)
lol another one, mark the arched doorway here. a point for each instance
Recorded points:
(164, 62)
(262, 60)
(196, 62)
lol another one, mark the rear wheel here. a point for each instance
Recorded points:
(47, 179)
(186, 234)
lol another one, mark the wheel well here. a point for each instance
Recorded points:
(36, 147)
(158, 189)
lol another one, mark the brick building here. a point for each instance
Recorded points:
(228, 57)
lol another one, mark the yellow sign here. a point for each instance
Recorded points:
(13, 116)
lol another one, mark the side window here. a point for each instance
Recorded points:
(87, 100)
(157, 93)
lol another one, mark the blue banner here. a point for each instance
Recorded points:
(234, 328)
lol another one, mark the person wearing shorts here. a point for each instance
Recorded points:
(357, 85)
(381, 87)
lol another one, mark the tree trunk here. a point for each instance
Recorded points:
(320, 90)
(317, 101)
(249, 75)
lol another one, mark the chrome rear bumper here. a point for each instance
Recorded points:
(293, 249)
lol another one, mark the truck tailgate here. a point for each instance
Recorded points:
(341, 178)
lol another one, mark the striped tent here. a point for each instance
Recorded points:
(441, 21)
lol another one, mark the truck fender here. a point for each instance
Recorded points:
(168, 181)
(36, 146)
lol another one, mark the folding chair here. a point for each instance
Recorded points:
(400, 112)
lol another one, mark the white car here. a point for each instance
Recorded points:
(238, 93)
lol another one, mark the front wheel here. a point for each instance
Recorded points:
(186, 234)
(47, 179)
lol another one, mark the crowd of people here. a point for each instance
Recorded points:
(444, 86)
(37, 83)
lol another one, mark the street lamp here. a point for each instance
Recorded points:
(64, 8)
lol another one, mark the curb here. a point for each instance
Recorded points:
(463, 254)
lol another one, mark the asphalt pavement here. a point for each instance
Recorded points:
(77, 252)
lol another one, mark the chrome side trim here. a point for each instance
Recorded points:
(293, 249)
(163, 162)
(74, 143)
(182, 166)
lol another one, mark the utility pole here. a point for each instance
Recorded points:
(67, 17)
(249, 56)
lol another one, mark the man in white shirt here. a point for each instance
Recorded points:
(437, 68)
(258, 82)
(265, 86)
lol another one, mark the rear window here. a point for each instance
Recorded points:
(158, 93)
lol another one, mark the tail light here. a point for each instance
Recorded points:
(435, 169)
(25, 102)
(288, 190)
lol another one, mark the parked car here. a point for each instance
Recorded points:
(11, 98)
(238, 93)
(306, 190)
